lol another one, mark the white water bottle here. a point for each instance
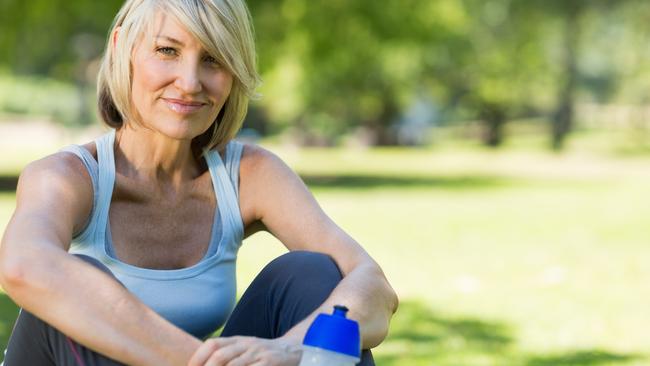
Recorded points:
(332, 340)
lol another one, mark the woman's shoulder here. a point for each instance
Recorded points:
(260, 170)
(58, 182)
(62, 167)
(91, 147)
(256, 159)
(61, 170)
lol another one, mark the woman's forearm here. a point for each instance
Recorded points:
(92, 308)
(371, 300)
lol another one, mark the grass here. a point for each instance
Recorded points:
(512, 257)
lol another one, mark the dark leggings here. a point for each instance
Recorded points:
(283, 293)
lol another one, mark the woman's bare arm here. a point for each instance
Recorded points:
(54, 199)
(285, 206)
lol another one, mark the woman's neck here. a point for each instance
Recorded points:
(147, 155)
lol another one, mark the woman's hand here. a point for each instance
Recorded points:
(244, 351)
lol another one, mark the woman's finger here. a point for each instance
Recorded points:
(245, 359)
(223, 355)
(206, 350)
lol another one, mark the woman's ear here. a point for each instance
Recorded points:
(114, 35)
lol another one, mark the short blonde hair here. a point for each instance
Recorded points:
(224, 29)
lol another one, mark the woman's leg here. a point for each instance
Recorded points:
(285, 292)
(35, 343)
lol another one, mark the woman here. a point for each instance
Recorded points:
(123, 250)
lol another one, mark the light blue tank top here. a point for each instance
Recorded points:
(197, 299)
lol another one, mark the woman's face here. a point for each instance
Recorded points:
(177, 88)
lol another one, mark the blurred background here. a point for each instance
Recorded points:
(492, 155)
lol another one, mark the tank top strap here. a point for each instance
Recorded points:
(91, 166)
(224, 188)
(106, 163)
(88, 161)
(233, 158)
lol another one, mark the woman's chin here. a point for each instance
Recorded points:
(180, 130)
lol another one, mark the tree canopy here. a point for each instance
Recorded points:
(334, 66)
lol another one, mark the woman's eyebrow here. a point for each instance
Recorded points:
(172, 40)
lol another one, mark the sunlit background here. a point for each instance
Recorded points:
(492, 155)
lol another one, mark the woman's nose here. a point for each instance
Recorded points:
(188, 79)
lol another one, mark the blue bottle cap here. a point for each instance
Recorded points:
(335, 333)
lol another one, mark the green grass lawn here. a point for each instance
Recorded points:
(512, 257)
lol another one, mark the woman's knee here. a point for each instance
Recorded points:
(287, 290)
(306, 266)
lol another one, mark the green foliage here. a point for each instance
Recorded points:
(363, 64)
(41, 36)
(333, 66)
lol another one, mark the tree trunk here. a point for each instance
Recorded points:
(564, 114)
(493, 117)
(382, 126)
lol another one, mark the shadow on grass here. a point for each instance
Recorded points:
(360, 181)
(582, 358)
(419, 336)
(8, 315)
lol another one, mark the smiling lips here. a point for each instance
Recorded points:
(183, 106)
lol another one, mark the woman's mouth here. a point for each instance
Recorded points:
(183, 106)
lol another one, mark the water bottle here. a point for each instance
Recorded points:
(332, 340)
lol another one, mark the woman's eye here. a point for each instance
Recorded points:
(211, 60)
(167, 51)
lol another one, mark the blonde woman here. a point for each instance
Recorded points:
(123, 250)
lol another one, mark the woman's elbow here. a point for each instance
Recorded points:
(389, 304)
(14, 272)
(23, 269)
(389, 295)
(392, 301)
